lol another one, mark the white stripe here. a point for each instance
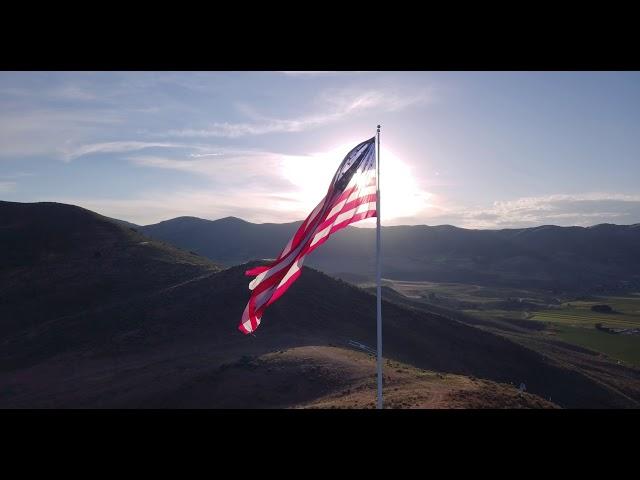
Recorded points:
(246, 321)
(357, 193)
(315, 211)
(263, 297)
(304, 226)
(283, 262)
(353, 212)
(361, 193)
(338, 207)
(256, 281)
(294, 268)
(288, 247)
(343, 216)
(320, 235)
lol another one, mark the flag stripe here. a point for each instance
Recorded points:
(351, 197)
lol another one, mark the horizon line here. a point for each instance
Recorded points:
(352, 226)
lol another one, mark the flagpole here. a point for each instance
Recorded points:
(378, 268)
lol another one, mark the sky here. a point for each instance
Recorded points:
(471, 149)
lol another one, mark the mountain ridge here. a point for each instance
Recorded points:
(603, 257)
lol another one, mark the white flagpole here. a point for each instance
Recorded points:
(378, 268)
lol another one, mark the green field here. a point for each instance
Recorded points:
(619, 347)
(569, 320)
(574, 322)
(579, 314)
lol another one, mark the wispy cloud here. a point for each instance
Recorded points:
(71, 153)
(342, 104)
(48, 131)
(200, 155)
(233, 169)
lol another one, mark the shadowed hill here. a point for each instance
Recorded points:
(230, 239)
(331, 377)
(58, 259)
(600, 258)
(140, 323)
(189, 332)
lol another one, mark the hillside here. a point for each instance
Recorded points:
(151, 323)
(331, 377)
(58, 260)
(575, 259)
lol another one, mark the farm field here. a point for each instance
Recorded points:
(625, 348)
(574, 322)
(567, 319)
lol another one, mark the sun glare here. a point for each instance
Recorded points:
(400, 194)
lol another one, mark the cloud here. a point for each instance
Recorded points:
(227, 167)
(342, 104)
(43, 131)
(72, 153)
(200, 155)
(286, 186)
(559, 209)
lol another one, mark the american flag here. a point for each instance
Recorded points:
(351, 197)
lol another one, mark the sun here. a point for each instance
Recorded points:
(310, 176)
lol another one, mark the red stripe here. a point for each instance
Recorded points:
(346, 207)
(295, 243)
(266, 283)
(284, 287)
(340, 226)
(356, 218)
(344, 195)
(300, 233)
(252, 317)
(275, 278)
(254, 272)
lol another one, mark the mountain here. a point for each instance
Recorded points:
(144, 324)
(577, 259)
(230, 239)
